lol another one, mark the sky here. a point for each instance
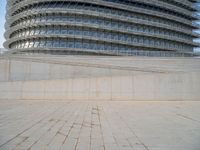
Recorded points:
(2, 21)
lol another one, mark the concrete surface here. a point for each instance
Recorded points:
(99, 78)
(99, 103)
(108, 125)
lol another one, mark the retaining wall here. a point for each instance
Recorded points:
(32, 80)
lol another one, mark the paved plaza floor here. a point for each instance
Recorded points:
(106, 125)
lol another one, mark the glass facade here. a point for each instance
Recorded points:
(100, 27)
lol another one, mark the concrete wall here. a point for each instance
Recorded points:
(45, 81)
(17, 70)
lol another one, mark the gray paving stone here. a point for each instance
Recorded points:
(95, 125)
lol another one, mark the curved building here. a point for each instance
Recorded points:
(104, 27)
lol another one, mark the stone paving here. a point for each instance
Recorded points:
(94, 125)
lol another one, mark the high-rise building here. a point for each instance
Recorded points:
(103, 27)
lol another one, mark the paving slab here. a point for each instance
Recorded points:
(99, 125)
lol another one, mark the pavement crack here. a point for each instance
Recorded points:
(186, 117)
(28, 128)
